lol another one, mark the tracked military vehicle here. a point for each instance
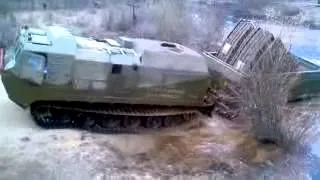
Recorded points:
(118, 85)
(131, 85)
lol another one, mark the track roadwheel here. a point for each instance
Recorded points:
(43, 117)
(89, 122)
(170, 121)
(188, 117)
(65, 119)
(111, 123)
(131, 122)
(154, 122)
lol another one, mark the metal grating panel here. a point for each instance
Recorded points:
(253, 47)
(233, 59)
(234, 40)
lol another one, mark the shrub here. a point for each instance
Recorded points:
(7, 30)
(171, 21)
(118, 20)
(254, 4)
(208, 29)
(265, 93)
(4, 8)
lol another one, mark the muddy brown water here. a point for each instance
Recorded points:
(26, 148)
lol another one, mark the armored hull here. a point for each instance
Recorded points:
(115, 85)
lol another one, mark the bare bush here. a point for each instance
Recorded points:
(4, 8)
(124, 22)
(7, 30)
(117, 20)
(164, 20)
(255, 4)
(172, 23)
(265, 94)
(7, 25)
(286, 168)
(108, 20)
(207, 29)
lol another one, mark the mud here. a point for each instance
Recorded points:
(215, 148)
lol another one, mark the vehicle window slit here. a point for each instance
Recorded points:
(116, 69)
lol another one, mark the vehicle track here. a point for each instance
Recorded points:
(111, 118)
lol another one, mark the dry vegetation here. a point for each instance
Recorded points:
(255, 4)
(164, 20)
(7, 25)
(172, 21)
(265, 94)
